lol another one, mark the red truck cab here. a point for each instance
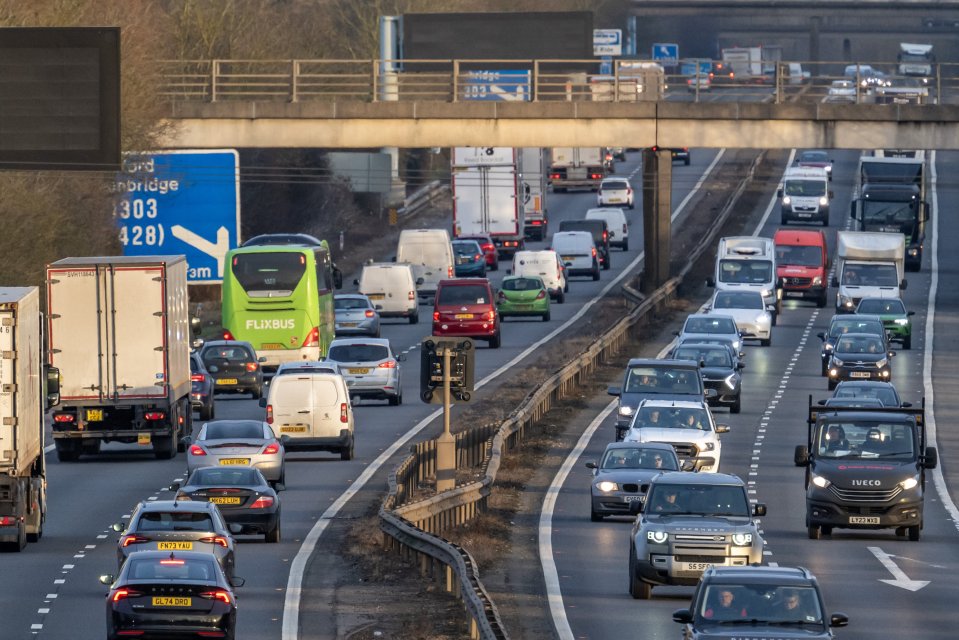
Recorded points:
(802, 264)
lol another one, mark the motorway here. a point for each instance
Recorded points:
(57, 594)
(908, 595)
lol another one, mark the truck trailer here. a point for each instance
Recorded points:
(575, 168)
(119, 330)
(487, 196)
(28, 387)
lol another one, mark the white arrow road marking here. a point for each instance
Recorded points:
(217, 250)
(901, 579)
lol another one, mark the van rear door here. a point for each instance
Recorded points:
(328, 405)
(291, 397)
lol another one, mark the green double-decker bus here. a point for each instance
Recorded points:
(279, 298)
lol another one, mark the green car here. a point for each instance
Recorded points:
(895, 318)
(523, 296)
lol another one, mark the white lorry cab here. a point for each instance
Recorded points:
(391, 288)
(868, 265)
(805, 195)
(546, 265)
(430, 254)
(745, 263)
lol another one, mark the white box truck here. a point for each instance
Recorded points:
(532, 174)
(747, 263)
(486, 196)
(28, 388)
(119, 331)
(575, 168)
(915, 60)
(868, 265)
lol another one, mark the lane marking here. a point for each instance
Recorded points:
(900, 579)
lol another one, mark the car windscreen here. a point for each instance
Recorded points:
(224, 430)
(711, 356)
(870, 275)
(762, 602)
(865, 439)
(707, 499)
(171, 569)
(619, 185)
(230, 354)
(862, 345)
(343, 304)
(891, 306)
(174, 521)
(745, 271)
(265, 273)
(884, 394)
(819, 156)
(358, 352)
(798, 256)
(840, 326)
(800, 188)
(463, 294)
(424, 253)
(466, 248)
(657, 417)
(639, 458)
(227, 477)
(522, 284)
(664, 379)
(738, 300)
(710, 325)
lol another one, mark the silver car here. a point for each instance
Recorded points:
(369, 367)
(238, 442)
(355, 315)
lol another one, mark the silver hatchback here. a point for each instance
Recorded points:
(249, 443)
(370, 368)
(354, 314)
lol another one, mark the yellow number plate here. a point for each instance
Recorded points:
(164, 601)
(94, 415)
(359, 371)
(227, 381)
(568, 258)
(174, 546)
(225, 500)
(272, 345)
(464, 316)
(143, 438)
(296, 429)
(376, 296)
(234, 461)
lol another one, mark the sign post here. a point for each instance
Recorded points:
(181, 203)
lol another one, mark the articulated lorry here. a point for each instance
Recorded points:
(28, 388)
(868, 265)
(487, 198)
(575, 168)
(119, 331)
(891, 197)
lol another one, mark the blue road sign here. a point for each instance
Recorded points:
(505, 84)
(606, 66)
(181, 202)
(666, 53)
(694, 66)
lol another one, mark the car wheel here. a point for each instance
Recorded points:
(273, 535)
(821, 300)
(399, 398)
(826, 529)
(686, 162)
(346, 453)
(565, 286)
(914, 533)
(206, 413)
(607, 264)
(783, 221)
(774, 318)
(257, 392)
(825, 221)
(596, 273)
(495, 266)
(415, 317)
(595, 517)
(812, 531)
(394, 400)
(832, 384)
(907, 343)
(625, 245)
(637, 588)
(163, 447)
(546, 317)
(494, 341)
(768, 341)
(561, 298)
(825, 368)
(737, 406)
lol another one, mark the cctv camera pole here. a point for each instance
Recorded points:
(445, 444)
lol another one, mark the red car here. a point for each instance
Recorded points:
(465, 307)
(488, 247)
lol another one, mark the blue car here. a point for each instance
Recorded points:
(470, 261)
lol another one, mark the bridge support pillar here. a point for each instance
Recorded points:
(657, 208)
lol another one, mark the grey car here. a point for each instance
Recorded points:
(623, 474)
(355, 315)
(250, 443)
(370, 368)
(657, 379)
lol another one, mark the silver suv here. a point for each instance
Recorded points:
(690, 522)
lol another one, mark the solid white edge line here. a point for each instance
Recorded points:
(291, 604)
(939, 480)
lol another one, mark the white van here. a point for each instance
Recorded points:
(747, 263)
(616, 223)
(430, 254)
(578, 253)
(545, 265)
(311, 411)
(391, 288)
(805, 195)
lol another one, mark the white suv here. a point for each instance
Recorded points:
(688, 425)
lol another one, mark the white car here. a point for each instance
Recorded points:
(615, 191)
(749, 311)
(688, 425)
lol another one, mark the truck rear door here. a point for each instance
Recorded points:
(8, 399)
(76, 340)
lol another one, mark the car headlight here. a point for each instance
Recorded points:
(909, 483)
(836, 362)
(787, 200)
(823, 201)
(820, 482)
(743, 539)
(737, 344)
(847, 302)
(902, 322)
(913, 252)
(882, 363)
(707, 446)
(625, 410)
(828, 168)
(827, 346)
(731, 381)
(657, 537)
(606, 486)
(766, 293)
(761, 318)
(816, 281)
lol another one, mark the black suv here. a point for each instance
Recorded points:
(600, 236)
(843, 324)
(756, 601)
(649, 378)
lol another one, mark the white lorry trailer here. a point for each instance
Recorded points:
(27, 389)
(532, 173)
(119, 331)
(868, 265)
(486, 196)
(575, 168)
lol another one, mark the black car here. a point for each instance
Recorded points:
(655, 379)
(201, 393)
(242, 494)
(234, 366)
(860, 356)
(600, 233)
(843, 324)
(720, 371)
(169, 525)
(167, 593)
(758, 602)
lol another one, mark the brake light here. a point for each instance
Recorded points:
(219, 594)
(227, 335)
(594, 252)
(64, 417)
(269, 414)
(605, 236)
(197, 450)
(541, 294)
(7, 521)
(197, 377)
(625, 230)
(124, 593)
(595, 176)
(272, 449)
(154, 415)
(262, 502)
(436, 316)
(489, 246)
(173, 562)
(411, 295)
(554, 176)
(132, 538)
(131, 633)
(449, 272)
(491, 315)
(537, 223)
(217, 540)
(389, 364)
(252, 366)
(344, 413)
(313, 338)
(369, 313)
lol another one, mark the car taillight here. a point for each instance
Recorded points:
(252, 366)
(7, 521)
(64, 417)
(411, 295)
(449, 272)
(344, 413)
(489, 246)
(262, 502)
(625, 230)
(554, 176)
(491, 315)
(272, 448)
(154, 415)
(478, 256)
(313, 338)
(541, 294)
(436, 316)
(217, 540)
(197, 377)
(595, 176)
(219, 594)
(227, 335)
(536, 223)
(594, 252)
(123, 593)
(389, 364)
(369, 313)
(132, 538)
(269, 414)
(197, 450)
(605, 236)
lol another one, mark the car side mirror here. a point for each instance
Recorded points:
(285, 439)
(614, 391)
(635, 507)
(821, 403)
(263, 402)
(779, 193)
(910, 313)
(261, 359)
(591, 465)
(838, 620)
(722, 428)
(356, 283)
(197, 343)
(237, 581)
(235, 528)
(759, 509)
(186, 441)
(905, 405)
(107, 579)
(801, 456)
(821, 335)
(401, 358)
(710, 281)
(891, 354)
(196, 325)
(568, 264)
(175, 486)
(279, 486)
(119, 527)
(688, 465)
(931, 459)
(902, 285)
(740, 365)
(378, 307)
(683, 616)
